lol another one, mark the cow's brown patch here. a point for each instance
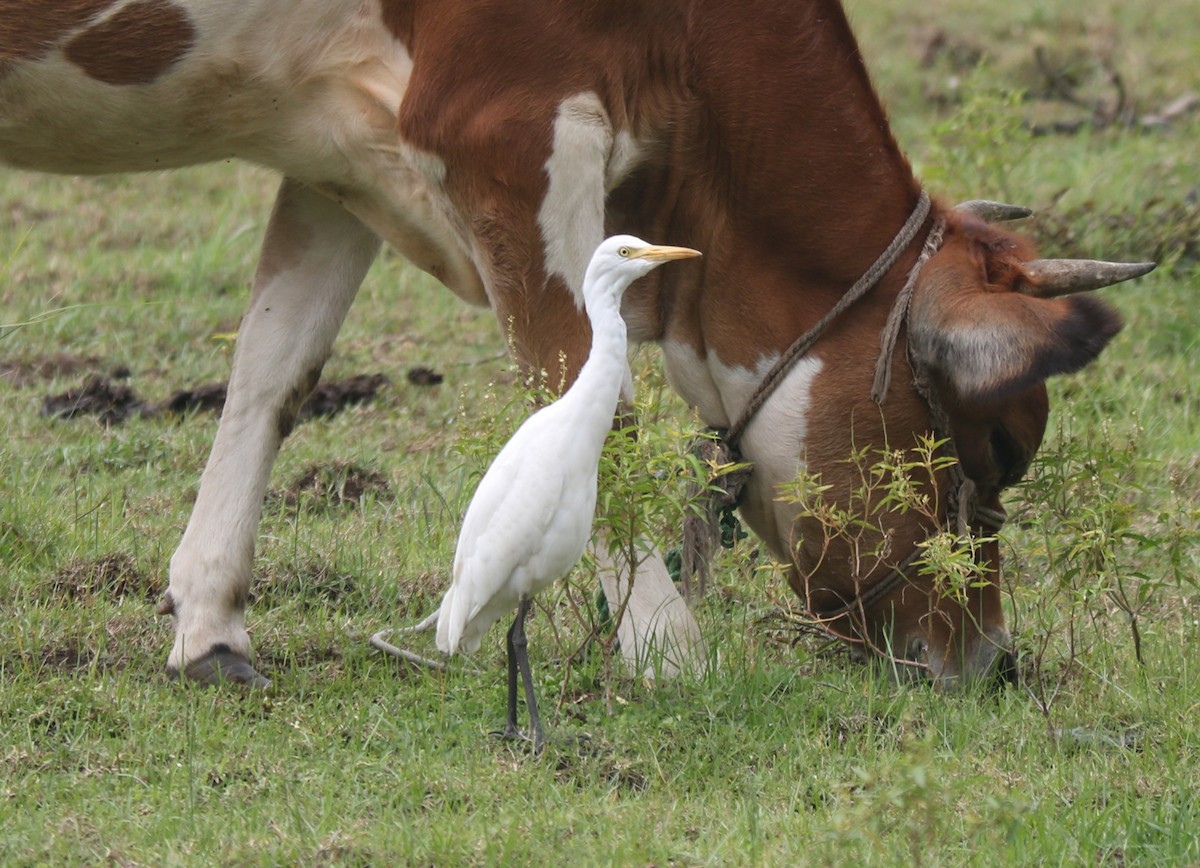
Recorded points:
(29, 29)
(137, 45)
(399, 19)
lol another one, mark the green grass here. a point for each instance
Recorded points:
(790, 753)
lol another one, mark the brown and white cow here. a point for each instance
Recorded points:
(494, 143)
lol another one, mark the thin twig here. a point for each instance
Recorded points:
(388, 648)
(378, 641)
(479, 360)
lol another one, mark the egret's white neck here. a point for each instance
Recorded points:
(604, 312)
(598, 386)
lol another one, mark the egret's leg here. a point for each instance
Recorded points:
(511, 730)
(521, 646)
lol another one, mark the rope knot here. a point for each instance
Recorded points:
(716, 499)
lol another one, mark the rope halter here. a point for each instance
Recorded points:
(702, 532)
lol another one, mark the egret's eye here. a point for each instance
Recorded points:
(624, 252)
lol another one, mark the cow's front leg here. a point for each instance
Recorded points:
(313, 259)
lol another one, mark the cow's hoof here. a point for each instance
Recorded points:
(221, 665)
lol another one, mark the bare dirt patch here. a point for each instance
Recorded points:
(67, 657)
(112, 577)
(335, 485)
(318, 659)
(311, 584)
(599, 764)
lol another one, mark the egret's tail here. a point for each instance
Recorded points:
(450, 621)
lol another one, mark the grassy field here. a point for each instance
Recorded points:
(790, 753)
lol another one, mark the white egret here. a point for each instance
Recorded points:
(531, 516)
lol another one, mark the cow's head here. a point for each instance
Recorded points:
(988, 323)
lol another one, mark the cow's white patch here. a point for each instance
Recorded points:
(720, 392)
(257, 86)
(658, 635)
(775, 437)
(774, 440)
(622, 160)
(689, 374)
(572, 214)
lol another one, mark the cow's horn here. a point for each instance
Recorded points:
(993, 212)
(1053, 277)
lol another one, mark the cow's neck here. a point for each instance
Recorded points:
(818, 185)
(791, 191)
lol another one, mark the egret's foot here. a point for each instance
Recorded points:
(221, 665)
(512, 733)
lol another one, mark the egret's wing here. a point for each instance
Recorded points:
(505, 528)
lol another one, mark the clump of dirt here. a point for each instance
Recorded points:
(956, 51)
(424, 376)
(326, 400)
(209, 397)
(329, 399)
(112, 576)
(336, 484)
(98, 396)
(113, 403)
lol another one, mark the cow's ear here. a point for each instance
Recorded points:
(990, 341)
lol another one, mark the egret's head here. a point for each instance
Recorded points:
(622, 259)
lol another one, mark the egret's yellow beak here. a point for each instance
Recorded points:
(661, 253)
